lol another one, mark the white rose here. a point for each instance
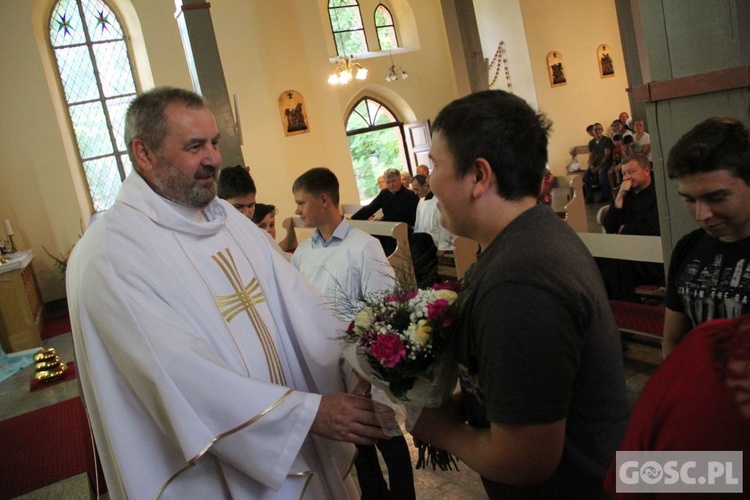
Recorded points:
(363, 319)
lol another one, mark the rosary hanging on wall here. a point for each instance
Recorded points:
(500, 59)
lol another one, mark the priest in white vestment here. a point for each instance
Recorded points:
(208, 366)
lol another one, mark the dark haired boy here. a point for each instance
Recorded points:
(540, 361)
(709, 273)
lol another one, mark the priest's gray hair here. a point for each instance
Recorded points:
(146, 120)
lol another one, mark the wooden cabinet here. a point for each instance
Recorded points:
(20, 304)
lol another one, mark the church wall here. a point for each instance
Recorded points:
(265, 47)
(36, 188)
(501, 20)
(575, 29)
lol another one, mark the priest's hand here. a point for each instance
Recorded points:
(346, 417)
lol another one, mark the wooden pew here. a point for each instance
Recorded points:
(348, 209)
(464, 254)
(644, 321)
(575, 208)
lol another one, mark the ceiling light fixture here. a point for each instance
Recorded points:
(395, 73)
(347, 69)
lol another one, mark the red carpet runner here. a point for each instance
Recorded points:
(45, 446)
(55, 326)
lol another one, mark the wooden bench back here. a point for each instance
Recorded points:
(575, 208)
(464, 254)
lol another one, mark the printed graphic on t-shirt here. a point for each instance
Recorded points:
(712, 291)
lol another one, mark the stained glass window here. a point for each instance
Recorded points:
(96, 75)
(346, 24)
(385, 28)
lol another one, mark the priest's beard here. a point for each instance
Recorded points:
(170, 182)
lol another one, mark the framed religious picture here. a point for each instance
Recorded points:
(606, 68)
(556, 69)
(293, 113)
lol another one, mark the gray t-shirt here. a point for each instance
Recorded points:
(540, 344)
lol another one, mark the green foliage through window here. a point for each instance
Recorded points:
(386, 28)
(346, 24)
(375, 142)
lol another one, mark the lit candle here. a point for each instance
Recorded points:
(8, 227)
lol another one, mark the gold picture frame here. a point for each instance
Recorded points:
(556, 69)
(604, 57)
(293, 113)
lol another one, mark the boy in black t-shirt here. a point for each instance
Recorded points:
(709, 275)
(540, 362)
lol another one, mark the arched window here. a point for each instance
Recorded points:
(376, 142)
(386, 29)
(96, 75)
(346, 24)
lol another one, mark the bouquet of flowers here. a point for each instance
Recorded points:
(400, 342)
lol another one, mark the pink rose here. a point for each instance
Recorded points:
(388, 349)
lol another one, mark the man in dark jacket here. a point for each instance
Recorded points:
(633, 211)
(398, 203)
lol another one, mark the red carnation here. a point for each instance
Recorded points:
(437, 309)
(388, 349)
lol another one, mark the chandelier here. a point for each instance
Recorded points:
(395, 72)
(346, 69)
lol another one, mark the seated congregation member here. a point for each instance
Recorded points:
(423, 170)
(265, 218)
(633, 211)
(345, 264)
(406, 179)
(543, 401)
(709, 273)
(617, 151)
(428, 217)
(399, 204)
(697, 400)
(429, 240)
(236, 185)
(617, 128)
(615, 173)
(627, 122)
(201, 377)
(548, 183)
(600, 161)
(642, 139)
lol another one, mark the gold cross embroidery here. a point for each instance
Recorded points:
(244, 299)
